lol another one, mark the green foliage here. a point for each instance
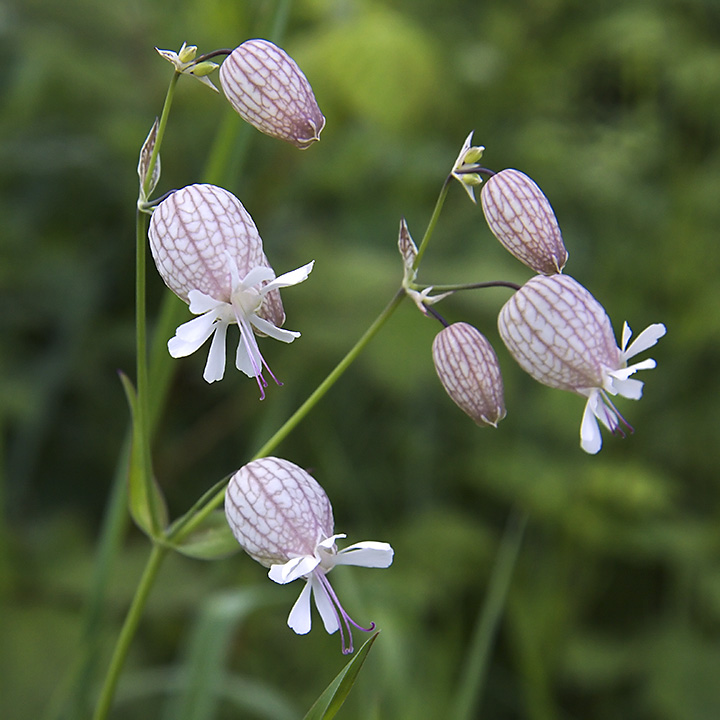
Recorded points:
(615, 603)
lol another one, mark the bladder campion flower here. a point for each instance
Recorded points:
(268, 90)
(561, 335)
(522, 219)
(283, 519)
(209, 253)
(469, 371)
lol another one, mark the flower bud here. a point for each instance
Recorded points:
(522, 219)
(268, 90)
(469, 371)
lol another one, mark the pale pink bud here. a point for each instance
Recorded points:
(469, 371)
(268, 90)
(522, 219)
(561, 336)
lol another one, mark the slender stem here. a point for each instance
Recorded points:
(182, 529)
(474, 677)
(164, 115)
(433, 221)
(132, 620)
(472, 286)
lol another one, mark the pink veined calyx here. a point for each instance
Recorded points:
(209, 253)
(561, 335)
(283, 519)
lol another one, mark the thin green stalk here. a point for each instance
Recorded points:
(433, 221)
(132, 620)
(164, 115)
(182, 529)
(472, 683)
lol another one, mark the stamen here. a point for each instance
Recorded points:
(616, 419)
(342, 616)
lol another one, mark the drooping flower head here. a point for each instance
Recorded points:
(209, 253)
(268, 90)
(283, 519)
(469, 371)
(561, 335)
(522, 219)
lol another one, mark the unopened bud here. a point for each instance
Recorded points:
(268, 90)
(522, 219)
(187, 53)
(469, 370)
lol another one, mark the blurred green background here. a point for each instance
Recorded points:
(614, 109)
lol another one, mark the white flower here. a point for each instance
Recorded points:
(283, 519)
(466, 165)
(561, 335)
(209, 253)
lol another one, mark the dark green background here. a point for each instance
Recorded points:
(614, 109)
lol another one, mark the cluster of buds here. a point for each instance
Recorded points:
(553, 327)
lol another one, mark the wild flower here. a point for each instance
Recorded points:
(561, 335)
(209, 253)
(283, 519)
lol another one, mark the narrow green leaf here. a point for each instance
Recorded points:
(145, 499)
(210, 541)
(327, 705)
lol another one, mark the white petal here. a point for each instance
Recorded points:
(590, 438)
(293, 569)
(256, 276)
(325, 607)
(626, 335)
(215, 365)
(201, 303)
(366, 554)
(627, 388)
(197, 330)
(647, 338)
(248, 358)
(294, 277)
(329, 543)
(276, 333)
(299, 618)
(190, 336)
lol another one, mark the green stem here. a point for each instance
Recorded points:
(182, 529)
(472, 683)
(132, 620)
(470, 286)
(433, 221)
(164, 115)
